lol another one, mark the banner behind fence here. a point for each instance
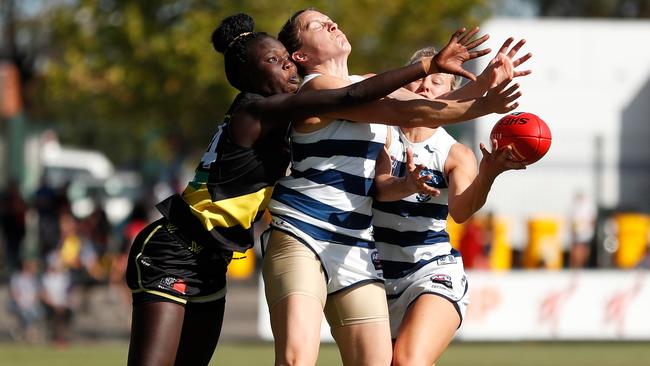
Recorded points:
(545, 305)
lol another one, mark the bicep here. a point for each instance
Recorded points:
(391, 111)
(461, 169)
(383, 164)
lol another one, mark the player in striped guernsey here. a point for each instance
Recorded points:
(426, 285)
(177, 265)
(320, 253)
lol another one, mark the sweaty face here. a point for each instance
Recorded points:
(321, 37)
(432, 86)
(272, 71)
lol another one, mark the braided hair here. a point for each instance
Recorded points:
(231, 38)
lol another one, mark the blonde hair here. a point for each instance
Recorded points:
(430, 52)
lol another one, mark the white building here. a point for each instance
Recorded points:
(591, 84)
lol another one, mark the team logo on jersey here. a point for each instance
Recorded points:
(442, 279)
(446, 259)
(195, 248)
(145, 261)
(437, 181)
(375, 260)
(171, 283)
(421, 197)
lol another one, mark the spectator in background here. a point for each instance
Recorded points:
(56, 287)
(46, 205)
(583, 225)
(77, 251)
(13, 210)
(24, 302)
(63, 204)
(489, 236)
(472, 242)
(136, 221)
(97, 228)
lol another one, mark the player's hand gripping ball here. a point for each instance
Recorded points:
(528, 135)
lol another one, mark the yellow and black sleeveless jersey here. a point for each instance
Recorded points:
(231, 187)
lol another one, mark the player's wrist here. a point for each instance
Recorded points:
(428, 65)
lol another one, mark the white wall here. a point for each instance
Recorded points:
(543, 305)
(590, 78)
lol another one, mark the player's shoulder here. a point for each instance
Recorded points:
(460, 152)
(324, 82)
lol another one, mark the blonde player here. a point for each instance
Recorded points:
(426, 285)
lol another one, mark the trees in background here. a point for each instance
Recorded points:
(128, 77)
(140, 81)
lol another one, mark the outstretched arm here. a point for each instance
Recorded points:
(501, 68)
(451, 57)
(468, 190)
(278, 110)
(418, 111)
(312, 102)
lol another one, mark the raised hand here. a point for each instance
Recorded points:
(498, 161)
(503, 66)
(502, 100)
(451, 57)
(416, 182)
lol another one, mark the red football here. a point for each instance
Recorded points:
(529, 136)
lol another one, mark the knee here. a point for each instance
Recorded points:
(293, 354)
(404, 359)
(293, 359)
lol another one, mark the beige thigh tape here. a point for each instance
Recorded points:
(361, 304)
(290, 267)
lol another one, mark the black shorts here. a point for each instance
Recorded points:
(165, 263)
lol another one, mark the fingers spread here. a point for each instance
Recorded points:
(512, 107)
(466, 74)
(522, 59)
(516, 48)
(495, 144)
(517, 74)
(457, 34)
(506, 44)
(477, 42)
(511, 89)
(468, 35)
(409, 159)
(430, 191)
(475, 54)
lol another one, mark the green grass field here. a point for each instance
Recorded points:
(458, 354)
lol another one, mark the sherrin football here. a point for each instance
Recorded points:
(528, 135)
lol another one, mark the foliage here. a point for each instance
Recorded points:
(120, 74)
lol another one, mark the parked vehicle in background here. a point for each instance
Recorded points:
(90, 177)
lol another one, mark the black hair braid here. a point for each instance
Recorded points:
(231, 38)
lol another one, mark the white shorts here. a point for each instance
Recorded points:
(345, 266)
(444, 277)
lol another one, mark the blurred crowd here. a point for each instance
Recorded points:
(49, 279)
(50, 258)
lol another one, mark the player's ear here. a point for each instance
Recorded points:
(299, 56)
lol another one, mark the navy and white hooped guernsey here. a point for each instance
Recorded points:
(411, 232)
(326, 201)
